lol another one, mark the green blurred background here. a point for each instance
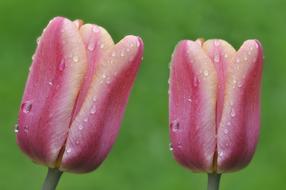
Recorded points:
(141, 158)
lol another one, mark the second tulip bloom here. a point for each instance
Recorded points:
(215, 104)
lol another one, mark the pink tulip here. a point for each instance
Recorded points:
(76, 94)
(215, 104)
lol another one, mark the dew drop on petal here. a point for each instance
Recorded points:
(26, 128)
(175, 126)
(62, 65)
(113, 54)
(225, 131)
(216, 43)
(101, 46)
(80, 127)
(68, 150)
(206, 73)
(216, 57)
(95, 29)
(75, 58)
(93, 109)
(90, 47)
(171, 148)
(195, 82)
(26, 107)
(16, 128)
(232, 113)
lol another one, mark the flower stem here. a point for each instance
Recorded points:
(52, 179)
(213, 181)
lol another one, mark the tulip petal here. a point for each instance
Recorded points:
(221, 53)
(239, 128)
(193, 84)
(54, 81)
(95, 127)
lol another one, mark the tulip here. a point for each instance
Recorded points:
(214, 104)
(75, 95)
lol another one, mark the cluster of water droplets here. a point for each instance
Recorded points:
(175, 128)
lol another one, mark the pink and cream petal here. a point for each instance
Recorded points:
(239, 127)
(54, 81)
(192, 102)
(95, 128)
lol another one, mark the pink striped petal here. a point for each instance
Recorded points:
(192, 102)
(54, 81)
(96, 125)
(239, 127)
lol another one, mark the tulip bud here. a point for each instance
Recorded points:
(76, 94)
(214, 104)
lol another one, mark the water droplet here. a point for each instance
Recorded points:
(225, 131)
(75, 58)
(232, 113)
(220, 154)
(95, 29)
(216, 57)
(68, 150)
(113, 54)
(228, 123)
(195, 82)
(90, 46)
(101, 46)
(122, 54)
(38, 39)
(245, 58)
(237, 60)
(26, 106)
(249, 52)
(251, 48)
(216, 43)
(80, 127)
(206, 73)
(225, 56)
(175, 126)
(231, 103)
(77, 142)
(171, 148)
(180, 145)
(234, 81)
(26, 128)
(85, 120)
(131, 44)
(239, 84)
(93, 109)
(50, 83)
(189, 99)
(137, 43)
(127, 49)
(62, 65)
(16, 128)
(104, 76)
(94, 98)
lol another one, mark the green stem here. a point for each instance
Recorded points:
(213, 181)
(52, 179)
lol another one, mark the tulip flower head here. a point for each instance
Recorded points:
(76, 94)
(214, 104)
